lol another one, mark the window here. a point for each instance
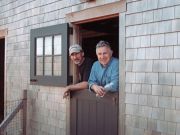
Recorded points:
(49, 55)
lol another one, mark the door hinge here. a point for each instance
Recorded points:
(70, 30)
(114, 100)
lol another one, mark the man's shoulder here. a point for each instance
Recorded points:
(96, 63)
(88, 61)
(115, 60)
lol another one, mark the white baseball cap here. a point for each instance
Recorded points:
(75, 49)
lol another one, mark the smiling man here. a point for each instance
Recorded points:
(104, 74)
(83, 64)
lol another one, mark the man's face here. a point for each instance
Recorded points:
(77, 57)
(104, 55)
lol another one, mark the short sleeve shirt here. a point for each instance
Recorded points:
(85, 69)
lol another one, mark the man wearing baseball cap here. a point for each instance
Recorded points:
(83, 64)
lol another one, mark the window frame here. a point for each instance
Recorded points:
(62, 80)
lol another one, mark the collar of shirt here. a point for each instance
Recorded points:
(105, 66)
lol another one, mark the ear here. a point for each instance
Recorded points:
(111, 52)
(82, 53)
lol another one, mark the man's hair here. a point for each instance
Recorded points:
(103, 43)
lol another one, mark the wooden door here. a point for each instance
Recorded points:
(91, 115)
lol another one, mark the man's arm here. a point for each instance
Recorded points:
(92, 78)
(93, 82)
(114, 84)
(79, 86)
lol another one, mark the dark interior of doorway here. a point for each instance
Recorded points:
(93, 32)
(2, 50)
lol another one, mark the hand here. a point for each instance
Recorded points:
(66, 93)
(99, 90)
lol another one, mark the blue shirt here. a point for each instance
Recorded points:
(108, 76)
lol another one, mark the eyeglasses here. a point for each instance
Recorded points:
(102, 44)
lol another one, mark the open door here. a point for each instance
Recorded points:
(91, 115)
(2, 50)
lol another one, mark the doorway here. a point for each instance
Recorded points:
(2, 59)
(91, 33)
(90, 115)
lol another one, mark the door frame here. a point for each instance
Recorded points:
(3, 34)
(94, 14)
